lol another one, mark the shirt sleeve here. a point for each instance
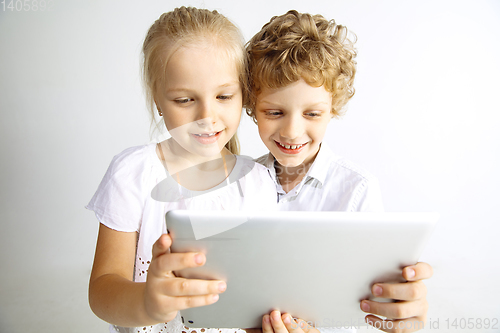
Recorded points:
(119, 200)
(368, 197)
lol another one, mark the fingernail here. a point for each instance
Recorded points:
(215, 297)
(266, 319)
(287, 320)
(222, 286)
(377, 290)
(410, 273)
(275, 315)
(365, 306)
(198, 259)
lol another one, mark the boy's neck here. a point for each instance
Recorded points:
(289, 177)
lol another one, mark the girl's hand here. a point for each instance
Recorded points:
(165, 294)
(409, 311)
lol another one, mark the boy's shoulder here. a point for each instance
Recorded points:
(266, 160)
(336, 164)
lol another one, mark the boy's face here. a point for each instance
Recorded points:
(292, 121)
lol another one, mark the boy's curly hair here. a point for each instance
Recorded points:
(294, 46)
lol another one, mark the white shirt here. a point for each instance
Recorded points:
(332, 183)
(124, 201)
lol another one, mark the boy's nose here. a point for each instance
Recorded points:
(292, 128)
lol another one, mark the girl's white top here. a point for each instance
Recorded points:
(124, 202)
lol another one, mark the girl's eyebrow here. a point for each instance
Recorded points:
(229, 84)
(182, 89)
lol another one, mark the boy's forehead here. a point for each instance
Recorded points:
(297, 94)
(300, 84)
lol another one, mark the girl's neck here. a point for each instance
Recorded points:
(194, 172)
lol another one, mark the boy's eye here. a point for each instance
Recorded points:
(273, 113)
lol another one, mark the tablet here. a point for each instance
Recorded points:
(316, 266)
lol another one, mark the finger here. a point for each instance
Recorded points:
(399, 310)
(277, 322)
(303, 324)
(266, 324)
(416, 272)
(293, 326)
(175, 261)
(408, 291)
(400, 326)
(162, 245)
(191, 287)
(186, 302)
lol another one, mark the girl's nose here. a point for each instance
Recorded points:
(207, 115)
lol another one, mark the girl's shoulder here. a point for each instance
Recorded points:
(135, 157)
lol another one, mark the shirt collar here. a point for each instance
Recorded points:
(318, 170)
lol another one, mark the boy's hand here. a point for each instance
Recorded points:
(408, 312)
(165, 293)
(275, 322)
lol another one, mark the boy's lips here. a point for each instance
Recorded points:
(290, 148)
(206, 138)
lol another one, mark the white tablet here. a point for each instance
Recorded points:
(317, 266)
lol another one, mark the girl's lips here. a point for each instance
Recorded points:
(207, 138)
(290, 150)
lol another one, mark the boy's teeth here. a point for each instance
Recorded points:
(290, 146)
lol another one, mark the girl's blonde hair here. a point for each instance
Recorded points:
(294, 46)
(183, 26)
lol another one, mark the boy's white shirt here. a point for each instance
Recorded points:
(331, 184)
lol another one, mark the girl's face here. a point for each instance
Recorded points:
(201, 100)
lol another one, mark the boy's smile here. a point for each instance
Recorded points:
(292, 121)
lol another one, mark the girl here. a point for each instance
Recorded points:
(194, 73)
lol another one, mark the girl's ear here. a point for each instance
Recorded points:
(159, 109)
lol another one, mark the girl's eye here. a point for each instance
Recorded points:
(313, 114)
(183, 100)
(224, 97)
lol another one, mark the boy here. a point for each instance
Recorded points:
(301, 75)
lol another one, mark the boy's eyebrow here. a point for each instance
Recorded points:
(279, 104)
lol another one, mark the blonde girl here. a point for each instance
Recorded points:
(194, 74)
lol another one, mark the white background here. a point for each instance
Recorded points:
(423, 120)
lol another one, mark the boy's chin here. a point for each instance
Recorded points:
(290, 162)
